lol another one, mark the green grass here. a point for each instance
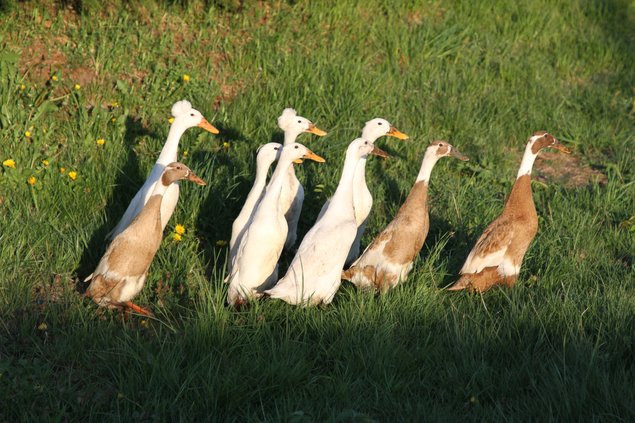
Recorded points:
(559, 346)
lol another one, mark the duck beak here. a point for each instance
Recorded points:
(379, 152)
(194, 178)
(315, 130)
(312, 156)
(207, 126)
(394, 132)
(456, 153)
(560, 147)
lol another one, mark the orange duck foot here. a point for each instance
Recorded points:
(483, 281)
(130, 306)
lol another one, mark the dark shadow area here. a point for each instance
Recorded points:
(129, 180)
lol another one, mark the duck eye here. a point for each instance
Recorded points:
(296, 147)
(379, 123)
(366, 142)
(299, 121)
(276, 148)
(192, 114)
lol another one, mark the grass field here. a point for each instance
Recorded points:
(483, 75)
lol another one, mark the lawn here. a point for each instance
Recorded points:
(85, 97)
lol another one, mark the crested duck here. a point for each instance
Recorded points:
(498, 254)
(314, 274)
(185, 117)
(363, 199)
(255, 264)
(390, 256)
(121, 272)
(266, 155)
(292, 195)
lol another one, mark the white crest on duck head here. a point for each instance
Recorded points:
(285, 119)
(181, 107)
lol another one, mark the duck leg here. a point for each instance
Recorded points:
(130, 306)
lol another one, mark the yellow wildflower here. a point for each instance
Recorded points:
(72, 174)
(221, 243)
(179, 229)
(31, 180)
(113, 119)
(54, 77)
(77, 87)
(22, 87)
(171, 120)
(114, 104)
(42, 326)
(186, 78)
(27, 134)
(9, 163)
(45, 162)
(101, 141)
(185, 153)
(226, 145)
(176, 237)
(62, 170)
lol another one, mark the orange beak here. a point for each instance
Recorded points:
(560, 147)
(207, 126)
(379, 152)
(315, 130)
(394, 132)
(312, 156)
(194, 178)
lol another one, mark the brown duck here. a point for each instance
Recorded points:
(389, 258)
(498, 254)
(121, 272)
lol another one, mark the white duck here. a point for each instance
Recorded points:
(121, 272)
(363, 199)
(184, 117)
(267, 154)
(314, 274)
(255, 265)
(292, 195)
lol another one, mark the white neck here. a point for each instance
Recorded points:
(272, 194)
(171, 146)
(360, 172)
(528, 162)
(258, 186)
(159, 188)
(290, 137)
(429, 160)
(342, 200)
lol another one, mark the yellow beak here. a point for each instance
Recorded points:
(315, 130)
(394, 132)
(207, 126)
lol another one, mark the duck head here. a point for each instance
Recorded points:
(379, 127)
(297, 153)
(188, 117)
(176, 171)
(293, 125)
(543, 139)
(361, 147)
(268, 153)
(444, 148)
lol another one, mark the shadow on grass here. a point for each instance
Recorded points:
(129, 180)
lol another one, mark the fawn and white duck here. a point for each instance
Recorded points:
(121, 272)
(389, 258)
(498, 254)
(314, 274)
(255, 264)
(185, 117)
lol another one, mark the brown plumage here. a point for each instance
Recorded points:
(498, 254)
(121, 272)
(389, 258)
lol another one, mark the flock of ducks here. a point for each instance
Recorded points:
(329, 252)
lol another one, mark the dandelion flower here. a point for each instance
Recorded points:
(113, 119)
(31, 181)
(43, 326)
(171, 120)
(186, 78)
(185, 153)
(45, 162)
(226, 145)
(179, 229)
(77, 87)
(221, 243)
(101, 141)
(54, 78)
(22, 87)
(27, 134)
(176, 237)
(72, 174)
(9, 163)
(62, 170)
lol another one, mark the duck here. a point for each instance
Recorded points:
(122, 271)
(498, 254)
(292, 195)
(313, 277)
(363, 199)
(185, 117)
(266, 155)
(255, 265)
(390, 256)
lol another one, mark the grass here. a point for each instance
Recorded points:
(559, 346)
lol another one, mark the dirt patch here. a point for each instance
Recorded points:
(567, 170)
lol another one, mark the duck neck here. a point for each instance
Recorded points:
(290, 137)
(171, 146)
(527, 163)
(272, 195)
(429, 160)
(344, 193)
